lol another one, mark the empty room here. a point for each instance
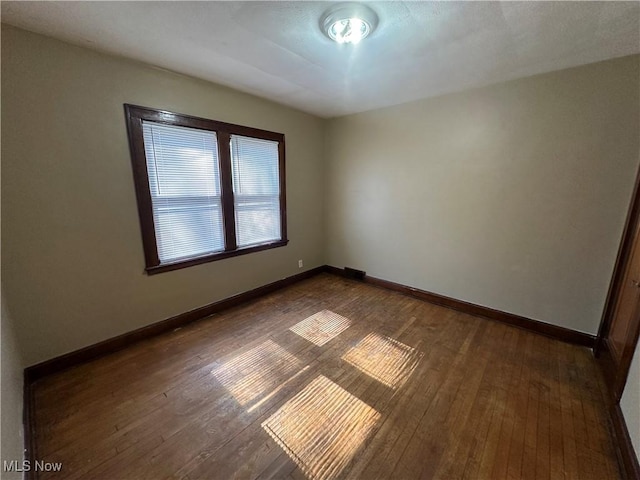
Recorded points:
(320, 240)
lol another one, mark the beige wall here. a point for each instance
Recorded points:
(10, 394)
(512, 196)
(73, 260)
(630, 402)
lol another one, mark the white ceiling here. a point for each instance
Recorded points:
(276, 50)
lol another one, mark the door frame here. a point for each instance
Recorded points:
(617, 375)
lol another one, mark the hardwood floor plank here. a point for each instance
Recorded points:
(543, 454)
(411, 413)
(514, 341)
(517, 448)
(280, 467)
(500, 377)
(400, 405)
(462, 415)
(570, 453)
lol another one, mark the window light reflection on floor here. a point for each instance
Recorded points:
(385, 359)
(322, 428)
(258, 371)
(321, 327)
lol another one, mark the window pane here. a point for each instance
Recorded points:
(257, 221)
(181, 161)
(190, 232)
(184, 179)
(256, 188)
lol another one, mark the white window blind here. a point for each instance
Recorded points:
(256, 190)
(184, 179)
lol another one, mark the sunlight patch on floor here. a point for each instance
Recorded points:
(321, 327)
(385, 359)
(322, 428)
(257, 372)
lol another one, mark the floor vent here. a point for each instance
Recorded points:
(354, 274)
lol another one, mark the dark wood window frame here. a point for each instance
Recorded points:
(135, 115)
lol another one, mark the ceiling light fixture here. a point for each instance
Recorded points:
(348, 22)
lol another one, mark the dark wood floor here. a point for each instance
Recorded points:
(330, 379)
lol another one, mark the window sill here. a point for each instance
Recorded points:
(167, 267)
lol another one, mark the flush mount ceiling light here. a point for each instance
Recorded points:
(348, 22)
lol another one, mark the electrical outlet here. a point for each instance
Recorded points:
(300, 264)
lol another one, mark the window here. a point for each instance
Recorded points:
(206, 190)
